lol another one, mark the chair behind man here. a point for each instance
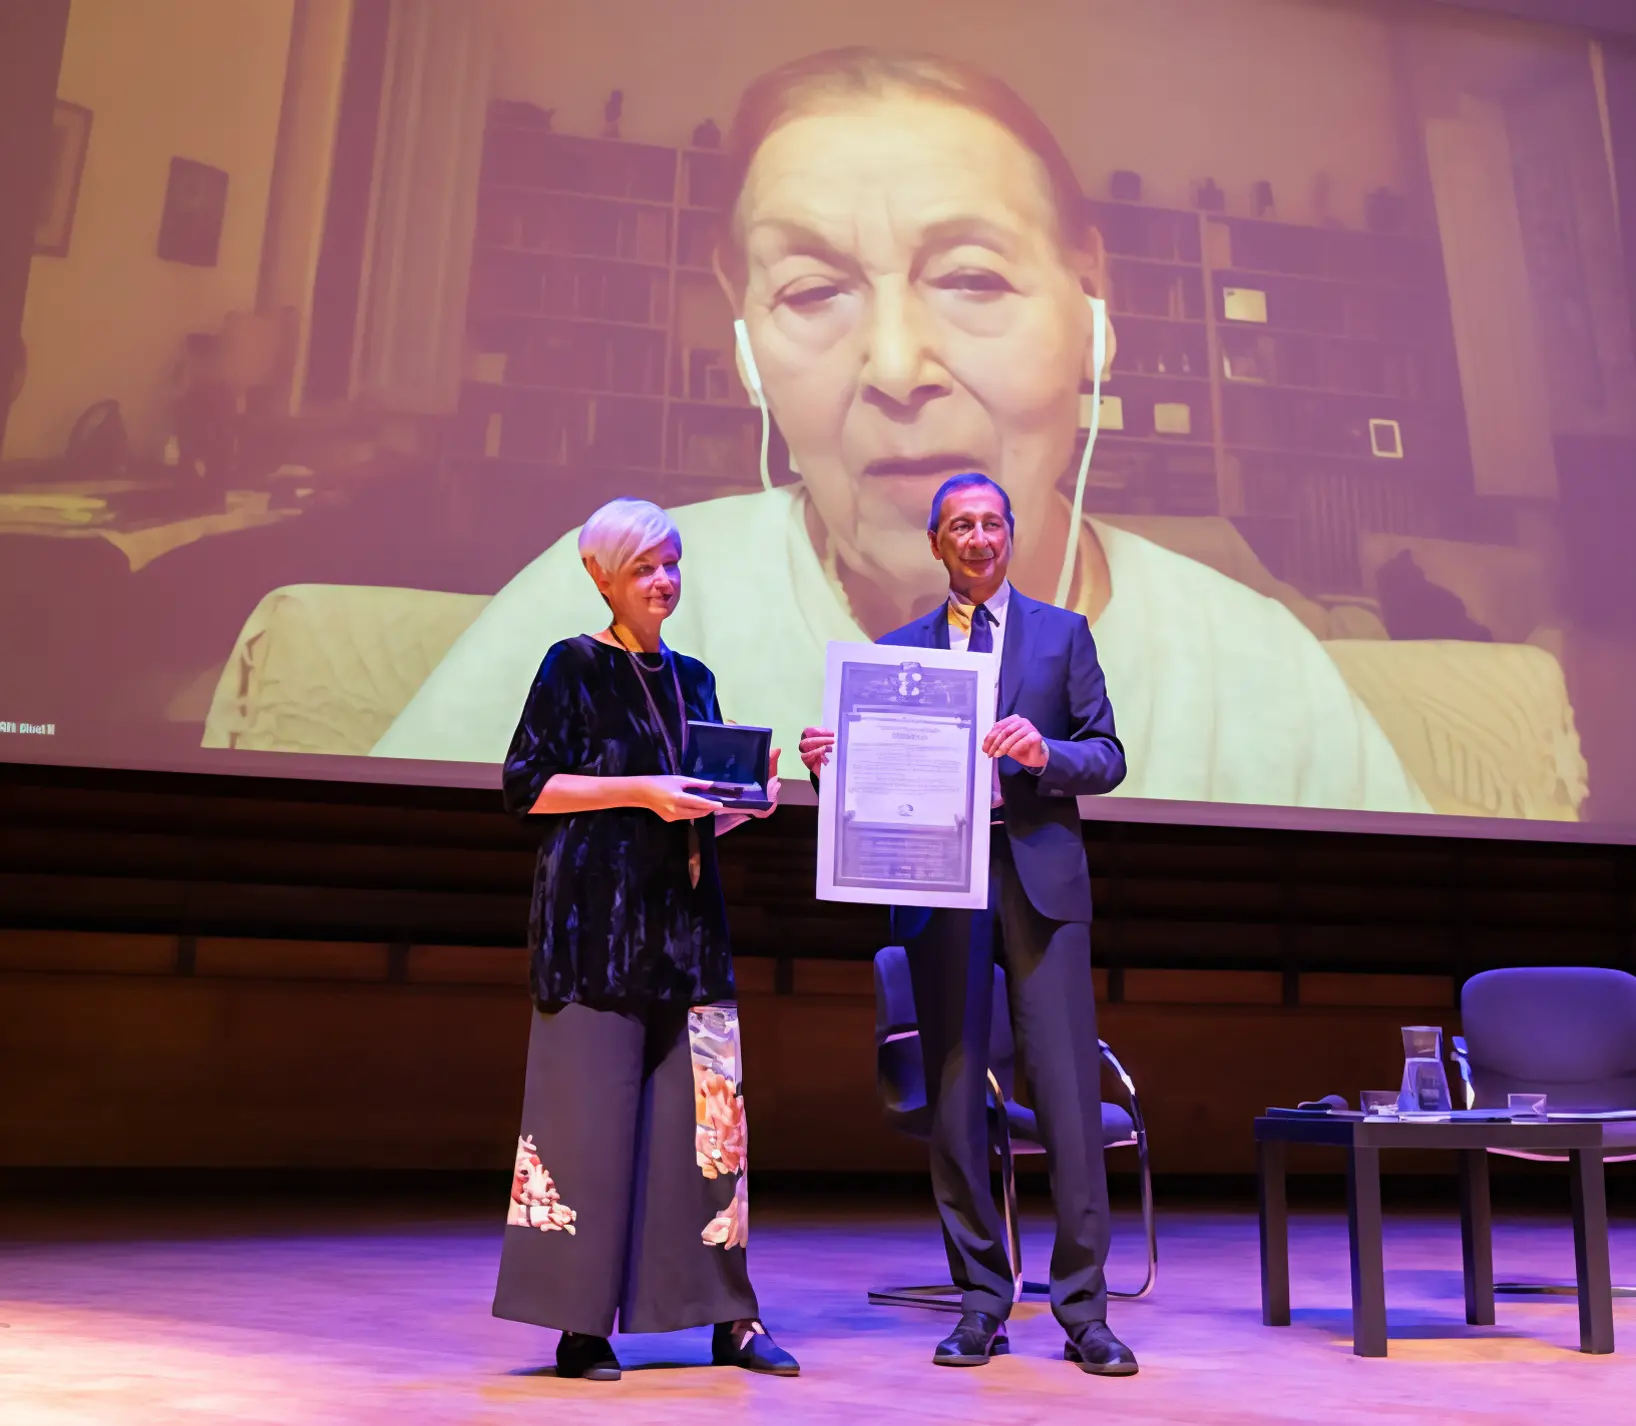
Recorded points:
(1567, 1032)
(1012, 1127)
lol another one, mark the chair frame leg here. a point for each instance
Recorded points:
(1150, 1226)
(945, 1297)
(1008, 1190)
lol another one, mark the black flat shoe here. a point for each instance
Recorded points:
(589, 1358)
(748, 1344)
(1093, 1348)
(978, 1337)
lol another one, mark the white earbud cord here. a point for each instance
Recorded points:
(766, 436)
(1099, 356)
(752, 379)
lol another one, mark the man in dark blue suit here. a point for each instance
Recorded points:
(1053, 741)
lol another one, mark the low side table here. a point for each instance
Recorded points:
(1363, 1140)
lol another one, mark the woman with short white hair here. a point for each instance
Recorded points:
(628, 1194)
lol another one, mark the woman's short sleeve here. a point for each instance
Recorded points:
(553, 734)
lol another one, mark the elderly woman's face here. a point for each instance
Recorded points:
(647, 589)
(913, 315)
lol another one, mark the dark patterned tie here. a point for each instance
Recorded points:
(982, 631)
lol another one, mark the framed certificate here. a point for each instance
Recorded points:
(904, 805)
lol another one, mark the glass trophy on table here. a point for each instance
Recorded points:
(1425, 1086)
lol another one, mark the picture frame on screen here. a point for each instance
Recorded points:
(59, 196)
(1385, 438)
(190, 229)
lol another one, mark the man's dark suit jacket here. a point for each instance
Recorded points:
(1049, 674)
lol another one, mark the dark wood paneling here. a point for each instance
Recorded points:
(306, 1055)
(214, 971)
(258, 857)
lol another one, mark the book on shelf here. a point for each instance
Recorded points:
(697, 246)
(1113, 412)
(717, 453)
(1244, 304)
(1218, 243)
(645, 235)
(1172, 418)
(1249, 357)
(706, 370)
(488, 368)
(707, 179)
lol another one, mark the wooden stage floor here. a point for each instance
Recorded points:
(318, 1312)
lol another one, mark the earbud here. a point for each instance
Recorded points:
(1099, 334)
(747, 363)
(752, 381)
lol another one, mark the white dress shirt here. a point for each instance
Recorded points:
(960, 638)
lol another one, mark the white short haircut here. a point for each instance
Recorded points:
(623, 529)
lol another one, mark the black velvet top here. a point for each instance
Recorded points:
(616, 919)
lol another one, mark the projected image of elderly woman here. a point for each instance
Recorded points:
(907, 251)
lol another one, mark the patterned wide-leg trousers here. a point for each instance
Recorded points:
(628, 1195)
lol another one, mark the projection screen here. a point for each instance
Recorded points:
(342, 318)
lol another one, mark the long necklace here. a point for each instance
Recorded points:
(694, 859)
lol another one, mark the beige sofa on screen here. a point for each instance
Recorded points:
(1486, 729)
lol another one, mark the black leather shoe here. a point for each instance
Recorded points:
(978, 1337)
(1093, 1348)
(749, 1345)
(591, 1358)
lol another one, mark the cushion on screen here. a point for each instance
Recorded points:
(1485, 729)
(1215, 541)
(1353, 619)
(325, 668)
